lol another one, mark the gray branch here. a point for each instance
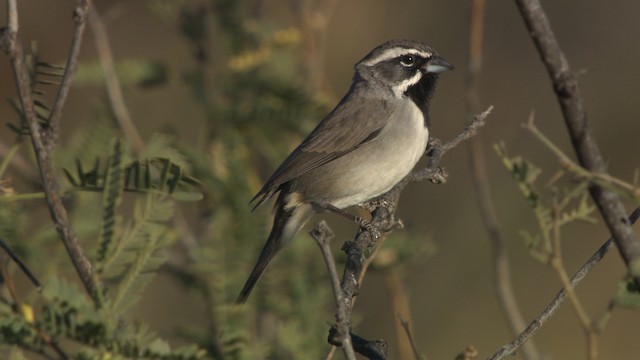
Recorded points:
(43, 138)
(567, 91)
(537, 323)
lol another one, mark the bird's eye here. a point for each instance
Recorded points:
(407, 60)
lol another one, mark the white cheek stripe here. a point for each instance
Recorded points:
(400, 89)
(394, 53)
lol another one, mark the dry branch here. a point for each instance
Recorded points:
(584, 143)
(546, 314)
(43, 137)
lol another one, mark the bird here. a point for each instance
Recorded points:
(366, 145)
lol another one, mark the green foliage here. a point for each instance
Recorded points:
(149, 176)
(15, 329)
(41, 74)
(128, 257)
(67, 313)
(567, 205)
(253, 106)
(111, 198)
(135, 257)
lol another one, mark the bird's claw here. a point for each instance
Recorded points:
(440, 176)
(369, 227)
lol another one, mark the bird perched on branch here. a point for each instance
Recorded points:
(361, 149)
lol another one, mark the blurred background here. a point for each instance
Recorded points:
(235, 85)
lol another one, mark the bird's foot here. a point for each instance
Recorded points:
(438, 176)
(372, 205)
(368, 226)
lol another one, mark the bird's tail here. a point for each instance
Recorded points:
(286, 224)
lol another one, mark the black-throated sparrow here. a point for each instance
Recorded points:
(364, 147)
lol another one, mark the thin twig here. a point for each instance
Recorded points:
(80, 17)
(59, 215)
(604, 180)
(567, 91)
(112, 83)
(400, 306)
(323, 235)
(546, 314)
(432, 172)
(501, 271)
(8, 280)
(407, 331)
(331, 352)
(7, 249)
(469, 131)
(555, 259)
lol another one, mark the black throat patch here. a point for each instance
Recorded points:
(421, 94)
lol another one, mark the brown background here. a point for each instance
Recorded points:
(451, 293)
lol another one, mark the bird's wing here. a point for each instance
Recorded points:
(351, 124)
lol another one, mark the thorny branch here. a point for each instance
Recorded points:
(383, 221)
(43, 138)
(567, 91)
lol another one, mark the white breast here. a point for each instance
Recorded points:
(386, 160)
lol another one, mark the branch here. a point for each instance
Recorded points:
(13, 256)
(382, 222)
(501, 271)
(80, 17)
(604, 180)
(567, 91)
(407, 348)
(537, 323)
(407, 331)
(323, 235)
(13, 48)
(437, 150)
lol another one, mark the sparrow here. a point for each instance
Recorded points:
(366, 145)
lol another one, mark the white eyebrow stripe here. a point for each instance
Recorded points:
(394, 53)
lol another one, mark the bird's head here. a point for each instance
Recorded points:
(400, 66)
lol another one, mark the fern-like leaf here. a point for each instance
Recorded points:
(112, 195)
(148, 176)
(138, 258)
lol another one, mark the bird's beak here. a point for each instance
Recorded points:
(437, 65)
